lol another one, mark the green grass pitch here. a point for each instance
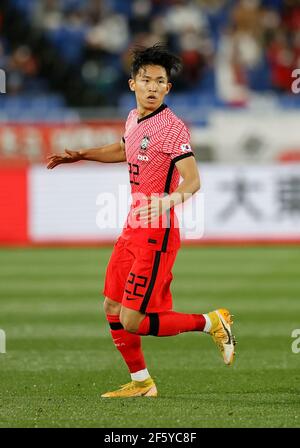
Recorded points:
(60, 356)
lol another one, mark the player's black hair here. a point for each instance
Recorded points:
(158, 54)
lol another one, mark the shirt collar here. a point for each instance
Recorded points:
(155, 112)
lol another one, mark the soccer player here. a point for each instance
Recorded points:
(138, 300)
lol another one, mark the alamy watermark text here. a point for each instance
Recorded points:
(2, 81)
(296, 342)
(2, 341)
(296, 83)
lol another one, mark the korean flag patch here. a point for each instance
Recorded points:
(185, 147)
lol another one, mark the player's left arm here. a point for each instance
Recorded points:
(188, 170)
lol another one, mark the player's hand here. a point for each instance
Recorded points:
(66, 157)
(153, 210)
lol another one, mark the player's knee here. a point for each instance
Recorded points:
(129, 324)
(131, 327)
(111, 307)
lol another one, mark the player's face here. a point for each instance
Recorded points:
(150, 86)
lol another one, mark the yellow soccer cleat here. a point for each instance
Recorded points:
(145, 388)
(221, 333)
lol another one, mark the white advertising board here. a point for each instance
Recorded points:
(90, 203)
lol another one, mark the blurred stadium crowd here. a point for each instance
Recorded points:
(67, 64)
(229, 48)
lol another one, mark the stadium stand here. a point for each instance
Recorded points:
(76, 53)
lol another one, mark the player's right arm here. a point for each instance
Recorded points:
(113, 153)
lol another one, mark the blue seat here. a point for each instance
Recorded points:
(69, 42)
(25, 6)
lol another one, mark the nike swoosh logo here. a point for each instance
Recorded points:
(228, 334)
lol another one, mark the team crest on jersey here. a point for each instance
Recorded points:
(144, 143)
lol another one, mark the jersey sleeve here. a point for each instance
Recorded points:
(127, 124)
(177, 142)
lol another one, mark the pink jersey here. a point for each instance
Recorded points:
(153, 145)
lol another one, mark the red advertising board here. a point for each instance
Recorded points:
(31, 143)
(13, 205)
